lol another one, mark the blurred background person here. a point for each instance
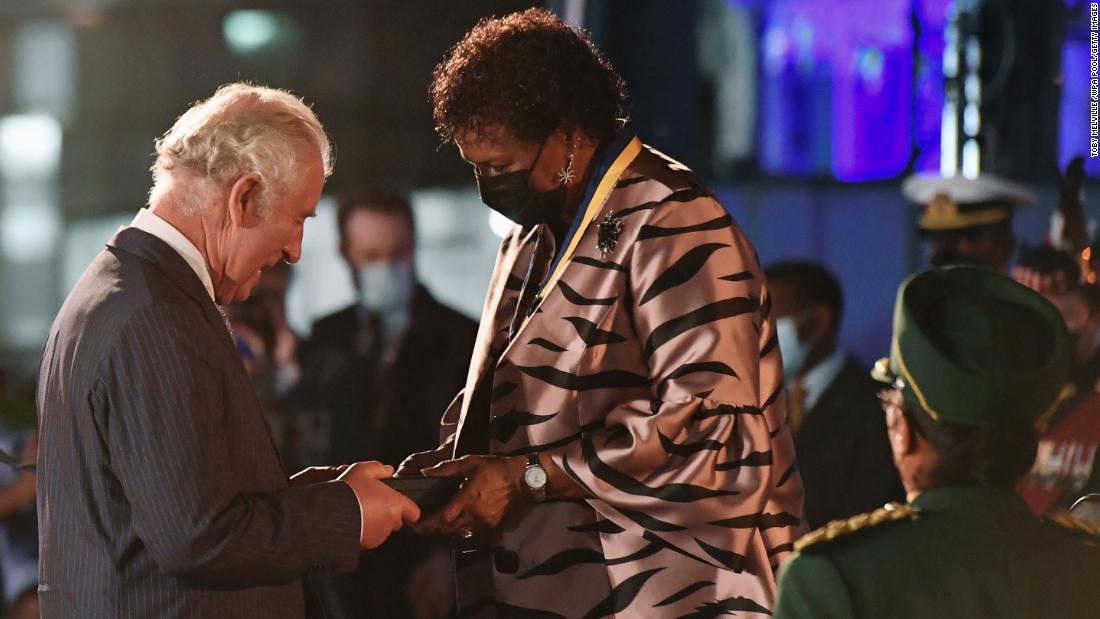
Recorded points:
(254, 337)
(256, 329)
(1056, 274)
(1066, 464)
(385, 367)
(833, 407)
(18, 525)
(18, 520)
(271, 292)
(301, 433)
(967, 220)
(382, 371)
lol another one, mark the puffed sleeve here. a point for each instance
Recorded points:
(706, 463)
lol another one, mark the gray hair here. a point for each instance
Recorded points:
(241, 129)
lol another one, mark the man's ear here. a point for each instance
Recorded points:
(903, 439)
(243, 200)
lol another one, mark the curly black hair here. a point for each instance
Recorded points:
(531, 73)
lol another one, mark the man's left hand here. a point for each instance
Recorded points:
(493, 488)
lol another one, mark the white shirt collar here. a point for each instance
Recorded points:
(150, 222)
(818, 379)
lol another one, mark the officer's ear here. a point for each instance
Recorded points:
(900, 431)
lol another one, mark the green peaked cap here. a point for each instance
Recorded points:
(970, 344)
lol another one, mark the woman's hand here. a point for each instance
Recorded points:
(493, 489)
(412, 466)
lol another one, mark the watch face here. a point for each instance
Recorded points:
(534, 477)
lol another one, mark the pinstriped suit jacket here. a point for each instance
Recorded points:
(160, 492)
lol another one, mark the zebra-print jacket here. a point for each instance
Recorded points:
(652, 375)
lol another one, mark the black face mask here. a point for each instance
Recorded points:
(510, 194)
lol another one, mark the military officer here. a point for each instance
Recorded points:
(967, 220)
(976, 360)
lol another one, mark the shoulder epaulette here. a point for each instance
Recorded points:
(891, 512)
(1073, 523)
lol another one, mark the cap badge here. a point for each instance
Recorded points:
(942, 207)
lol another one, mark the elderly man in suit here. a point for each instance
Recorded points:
(161, 494)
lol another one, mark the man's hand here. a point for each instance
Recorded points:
(317, 475)
(384, 510)
(493, 488)
(414, 464)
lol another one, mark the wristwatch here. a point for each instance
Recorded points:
(534, 478)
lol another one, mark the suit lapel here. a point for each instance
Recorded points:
(495, 315)
(837, 392)
(147, 247)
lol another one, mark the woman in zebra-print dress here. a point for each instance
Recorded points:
(626, 353)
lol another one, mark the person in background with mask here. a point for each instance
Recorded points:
(967, 220)
(381, 370)
(839, 430)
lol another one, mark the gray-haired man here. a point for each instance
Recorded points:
(160, 493)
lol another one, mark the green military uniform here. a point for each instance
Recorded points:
(961, 552)
(968, 345)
